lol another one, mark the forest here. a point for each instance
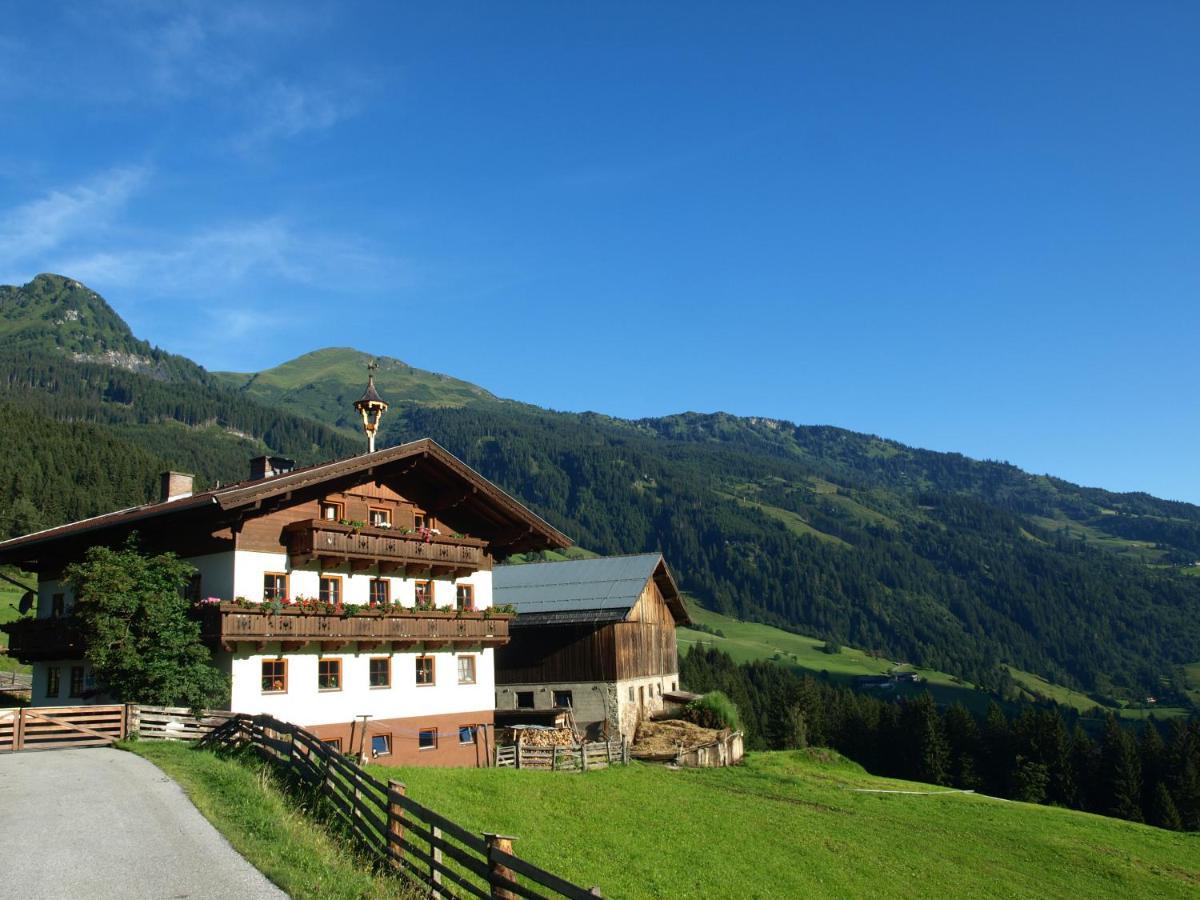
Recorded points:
(1039, 755)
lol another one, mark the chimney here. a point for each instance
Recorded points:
(268, 466)
(175, 486)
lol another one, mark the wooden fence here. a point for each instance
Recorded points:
(166, 723)
(57, 727)
(586, 756)
(449, 859)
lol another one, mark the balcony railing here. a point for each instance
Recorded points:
(331, 544)
(35, 640)
(231, 624)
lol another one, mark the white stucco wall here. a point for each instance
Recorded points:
(250, 566)
(47, 588)
(305, 704)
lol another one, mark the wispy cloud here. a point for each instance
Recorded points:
(284, 110)
(30, 230)
(239, 254)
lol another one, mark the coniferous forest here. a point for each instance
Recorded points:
(1038, 755)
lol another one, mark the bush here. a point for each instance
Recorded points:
(714, 710)
(831, 647)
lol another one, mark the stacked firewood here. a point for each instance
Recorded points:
(546, 737)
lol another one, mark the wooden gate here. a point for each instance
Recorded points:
(55, 727)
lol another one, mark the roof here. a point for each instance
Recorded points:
(592, 591)
(370, 395)
(426, 471)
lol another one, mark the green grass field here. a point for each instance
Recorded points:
(797, 824)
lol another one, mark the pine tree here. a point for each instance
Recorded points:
(1161, 809)
(1120, 772)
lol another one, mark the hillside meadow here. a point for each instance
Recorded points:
(803, 824)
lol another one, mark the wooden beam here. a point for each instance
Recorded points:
(403, 644)
(333, 644)
(368, 645)
(290, 646)
(435, 644)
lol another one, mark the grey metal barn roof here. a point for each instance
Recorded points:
(583, 590)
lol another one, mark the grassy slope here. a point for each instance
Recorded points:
(790, 825)
(265, 827)
(10, 596)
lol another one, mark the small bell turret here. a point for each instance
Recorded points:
(372, 407)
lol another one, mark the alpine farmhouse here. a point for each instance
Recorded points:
(596, 636)
(353, 597)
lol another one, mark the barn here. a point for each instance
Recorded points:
(593, 635)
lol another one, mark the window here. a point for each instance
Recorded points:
(420, 520)
(631, 695)
(380, 518)
(563, 698)
(424, 670)
(76, 682)
(674, 685)
(381, 745)
(53, 676)
(424, 592)
(466, 734)
(275, 586)
(381, 592)
(466, 596)
(274, 676)
(466, 670)
(524, 699)
(57, 606)
(427, 739)
(331, 511)
(329, 675)
(334, 743)
(331, 589)
(381, 671)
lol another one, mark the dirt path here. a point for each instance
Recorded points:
(101, 823)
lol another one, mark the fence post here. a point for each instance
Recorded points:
(497, 869)
(395, 822)
(583, 757)
(18, 737)
(518, 751)
(435, 864)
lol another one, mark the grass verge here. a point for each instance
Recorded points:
(243, 801)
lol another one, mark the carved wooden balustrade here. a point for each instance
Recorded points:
(384, 550)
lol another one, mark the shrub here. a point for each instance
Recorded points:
(714, 710)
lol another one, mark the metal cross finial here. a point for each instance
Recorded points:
(371, 367)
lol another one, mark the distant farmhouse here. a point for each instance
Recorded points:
(594, 635)
(351, 592)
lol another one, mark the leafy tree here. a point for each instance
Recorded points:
(141, 645)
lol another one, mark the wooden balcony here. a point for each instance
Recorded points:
(230, 625)
(381, 549)
(36, 640)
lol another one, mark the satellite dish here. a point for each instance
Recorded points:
(26, 603)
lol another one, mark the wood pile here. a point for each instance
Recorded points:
(546, 737)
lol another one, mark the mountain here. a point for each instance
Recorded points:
(325, 383)
(962, 565)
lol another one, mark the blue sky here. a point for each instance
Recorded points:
(964, 227)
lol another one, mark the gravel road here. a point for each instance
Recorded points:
(101, 823)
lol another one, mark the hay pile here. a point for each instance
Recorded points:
(663, 739)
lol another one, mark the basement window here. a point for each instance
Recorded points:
(427, 739)
(466, 734)
(381, 745)
(524, 699)
(563, 699)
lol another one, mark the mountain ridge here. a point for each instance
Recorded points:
(959, 564)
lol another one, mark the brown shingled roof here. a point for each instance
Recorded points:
(513, 524)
